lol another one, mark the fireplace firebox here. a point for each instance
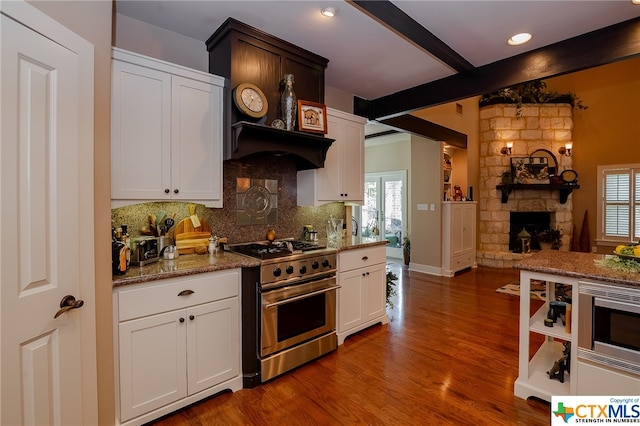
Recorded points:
(534, 222)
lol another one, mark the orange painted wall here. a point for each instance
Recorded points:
(608, 132)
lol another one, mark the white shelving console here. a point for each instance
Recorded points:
(533, 378)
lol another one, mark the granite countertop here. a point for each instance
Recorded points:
(191, 264)
(577, 265)
(188, 264)
(360, 242)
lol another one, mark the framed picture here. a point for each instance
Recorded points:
(530, 170)
(312, 117)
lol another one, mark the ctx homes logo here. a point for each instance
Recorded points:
(595, 409)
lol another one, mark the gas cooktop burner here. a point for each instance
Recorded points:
(279, 248)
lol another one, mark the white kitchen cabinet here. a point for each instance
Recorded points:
(342, 177)
(459, 236)
(166, 132)
(533, 378)
(177, 341)
(362, 294)
(600, 380)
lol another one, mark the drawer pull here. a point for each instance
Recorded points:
(185, 292)
(365, 257)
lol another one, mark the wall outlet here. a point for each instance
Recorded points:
(432, 207)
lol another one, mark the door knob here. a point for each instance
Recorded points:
(68, 302)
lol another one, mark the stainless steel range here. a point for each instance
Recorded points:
(289, 307)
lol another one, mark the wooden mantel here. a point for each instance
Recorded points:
(565, 189)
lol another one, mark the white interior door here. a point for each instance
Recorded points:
(384, 209)
(44, 188)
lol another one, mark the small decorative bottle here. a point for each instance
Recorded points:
(289, 103)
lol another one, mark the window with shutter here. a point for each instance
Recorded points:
(619, 210)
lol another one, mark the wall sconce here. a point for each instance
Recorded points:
(565, 150)
(506, 150)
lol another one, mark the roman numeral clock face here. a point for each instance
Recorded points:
(250, 100)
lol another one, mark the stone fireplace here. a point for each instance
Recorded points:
(539, 126)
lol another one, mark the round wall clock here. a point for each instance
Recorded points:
(250, 100)
(569, 176)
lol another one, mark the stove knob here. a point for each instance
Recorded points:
(303, 269)
(277, 272)
(289, 269)
(315, 265)
(325, 263)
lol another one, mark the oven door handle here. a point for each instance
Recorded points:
(302, 296)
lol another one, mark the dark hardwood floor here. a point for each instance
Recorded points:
(449, 355)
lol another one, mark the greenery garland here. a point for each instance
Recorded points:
(619, 264)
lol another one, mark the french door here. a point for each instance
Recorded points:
(384, 210)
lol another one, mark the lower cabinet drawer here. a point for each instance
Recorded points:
(360, 258)
(176, 293)
(463, 260)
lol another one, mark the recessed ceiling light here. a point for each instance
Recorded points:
(329, 12)
(635, 1)
(519, 39)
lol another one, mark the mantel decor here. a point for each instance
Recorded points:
(530, 170)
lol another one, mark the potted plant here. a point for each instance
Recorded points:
(534, 91)
(550, 239)
(406, 250)
(391, 291)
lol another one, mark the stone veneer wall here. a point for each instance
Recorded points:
(547, 126)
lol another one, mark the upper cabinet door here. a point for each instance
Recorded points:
(140, 132)
(166, 132)
(352, 148)
(329, 183)
(342, 177)
(196, 141)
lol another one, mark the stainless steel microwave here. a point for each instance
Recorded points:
(609, 325)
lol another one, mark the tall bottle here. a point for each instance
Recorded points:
(289, 103)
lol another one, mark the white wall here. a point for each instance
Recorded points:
(146, 39)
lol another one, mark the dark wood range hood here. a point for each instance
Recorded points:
(247, 139)
(244, 54)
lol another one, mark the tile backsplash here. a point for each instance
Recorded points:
(223, 222)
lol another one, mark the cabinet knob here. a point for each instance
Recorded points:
(181, 319)
(175, 191)
(191, 317)
(166, 190)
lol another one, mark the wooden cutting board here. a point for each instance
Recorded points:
(188, 237)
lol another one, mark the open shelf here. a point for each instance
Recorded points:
(538, 383)
(308, 150)
(536, 324)
(565, 189)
